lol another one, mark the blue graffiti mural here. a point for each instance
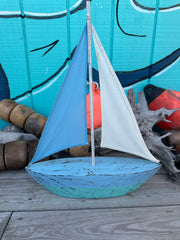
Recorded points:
(4, 89)
(161, 9)
(35, 58)
(79, 5)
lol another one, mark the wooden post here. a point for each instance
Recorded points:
(90, 79)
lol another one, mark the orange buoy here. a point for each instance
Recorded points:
(15, 154)
(6, 106)
(158, 98)
(96, 108)
(34, 124)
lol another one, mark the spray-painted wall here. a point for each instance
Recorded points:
(37, 39)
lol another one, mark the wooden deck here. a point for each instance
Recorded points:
(27, 211)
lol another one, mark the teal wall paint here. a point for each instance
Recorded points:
(156, 12)
(38, 37)
(25, 41)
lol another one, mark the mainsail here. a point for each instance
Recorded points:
(120, 130)
(66, 125)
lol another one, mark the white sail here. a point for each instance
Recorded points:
(120, 130)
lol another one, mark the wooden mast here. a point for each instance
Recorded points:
(90, 79)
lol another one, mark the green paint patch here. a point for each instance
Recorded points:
(91, 192)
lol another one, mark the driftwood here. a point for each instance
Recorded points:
(146, 119)
(13, 133)
(6, 137)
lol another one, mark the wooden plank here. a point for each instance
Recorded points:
(158, 223)
(26, 194)
(14, 174)
(4, 218)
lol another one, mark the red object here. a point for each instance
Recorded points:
(96, 108)
(169, 99)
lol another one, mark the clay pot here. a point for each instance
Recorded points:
(19, 115)
(35, 124)
(15, 154)
(6, 106)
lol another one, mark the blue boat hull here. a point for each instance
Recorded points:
(77, 178)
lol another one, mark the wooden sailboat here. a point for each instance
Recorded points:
(66, 127)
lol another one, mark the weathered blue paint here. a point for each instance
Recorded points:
(77, 178)
(141, 40)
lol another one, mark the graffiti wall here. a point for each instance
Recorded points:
(37, 40)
